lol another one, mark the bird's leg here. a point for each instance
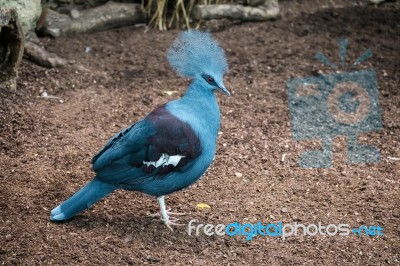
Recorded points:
(164, 214)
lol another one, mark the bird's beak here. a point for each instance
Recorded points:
(224, 90)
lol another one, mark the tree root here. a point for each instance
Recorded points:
(46, 59)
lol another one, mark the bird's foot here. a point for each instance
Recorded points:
(154, 215)
(171, 221)
(164, 214)
(168, 220)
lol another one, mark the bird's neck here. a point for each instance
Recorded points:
(198, 104)
(195, 91)
(202, 100)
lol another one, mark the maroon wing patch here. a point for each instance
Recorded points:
(172, 137)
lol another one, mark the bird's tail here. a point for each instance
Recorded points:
(81, 200)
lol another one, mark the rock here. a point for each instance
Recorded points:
(8, 237)
(28, 11)
(239, 175)
(74, 13)
(128, 239)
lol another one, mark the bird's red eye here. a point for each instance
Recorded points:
(210, 79)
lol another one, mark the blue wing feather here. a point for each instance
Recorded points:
(121, 159)
(126, 142)
(113, 141)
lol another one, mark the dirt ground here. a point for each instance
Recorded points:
(46, 146)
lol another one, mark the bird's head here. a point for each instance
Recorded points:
(195, 54)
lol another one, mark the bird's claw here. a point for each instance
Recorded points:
(165, 214)
(154, 215)
(171, 221)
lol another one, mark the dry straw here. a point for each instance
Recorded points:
(165, 14)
